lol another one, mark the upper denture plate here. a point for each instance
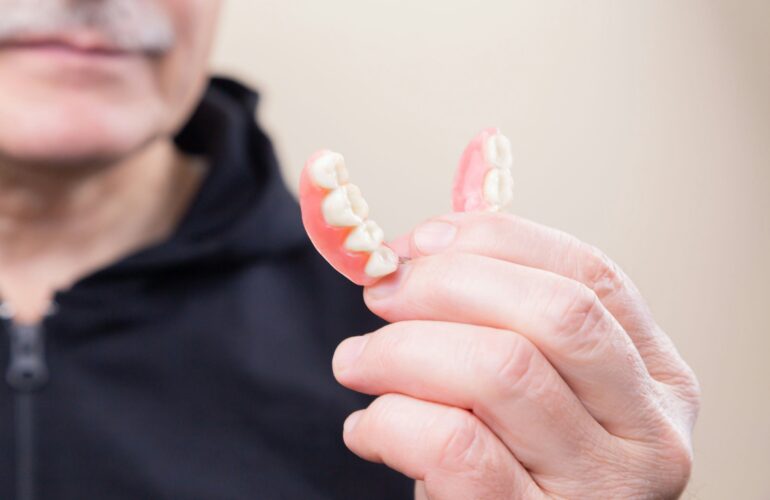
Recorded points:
(329, 171)
(498, 187)
(365, 238)
(345, 207)
(382, 261)
(497, 151)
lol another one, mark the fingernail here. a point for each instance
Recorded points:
(351, 421)
(347, 352)
(389, 285)
(434, 236)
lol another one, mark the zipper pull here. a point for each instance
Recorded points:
(27, 370)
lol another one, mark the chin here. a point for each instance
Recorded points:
(77, 121)
(74, 132)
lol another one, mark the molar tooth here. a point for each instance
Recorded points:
(498, 151)
(498, 187)
(345, 207)
(365, 238)
(382, 262)
(329, 171)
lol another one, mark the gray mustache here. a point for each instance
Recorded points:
(130, 25)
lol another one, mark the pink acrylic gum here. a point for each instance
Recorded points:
(483, 180)
(331, 227)
(336, 217)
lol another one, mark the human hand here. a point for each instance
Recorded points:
(520, 363)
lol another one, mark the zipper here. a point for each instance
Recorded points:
(27, 374)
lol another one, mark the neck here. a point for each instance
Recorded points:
(56, 226)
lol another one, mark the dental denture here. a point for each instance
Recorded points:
(335, 216)
(484, 180)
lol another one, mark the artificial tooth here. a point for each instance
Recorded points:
(329, 171)
(365, 238)
(345, 207)
(498, 187)
(498, 151)
(382, 262)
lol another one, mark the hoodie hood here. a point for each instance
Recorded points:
(243, 209)
(241, 214)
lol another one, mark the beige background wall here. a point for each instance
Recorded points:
(642, 127)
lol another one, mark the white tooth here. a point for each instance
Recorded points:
(329, 171)
(345, 207)
(498, 151)
(357, 201)
(382, 262)
(365, 238)
(498, 187)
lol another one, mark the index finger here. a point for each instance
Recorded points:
(514, 239)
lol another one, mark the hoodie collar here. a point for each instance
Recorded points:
(242, 209)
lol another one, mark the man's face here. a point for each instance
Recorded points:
(87, 82)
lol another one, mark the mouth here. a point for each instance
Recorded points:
(79, 46)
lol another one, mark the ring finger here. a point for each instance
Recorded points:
(498, 375)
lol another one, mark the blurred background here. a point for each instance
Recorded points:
(641, 127)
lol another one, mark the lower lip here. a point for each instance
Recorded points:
(66, 54)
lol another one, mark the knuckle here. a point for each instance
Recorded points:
(680, 379)
(630, 468)
(599, 272)
(511, 370)
(521, 372)
(674, 459)
(695, 394)
(681, 457)
(690, 388)
(687, 389)
(579, 310)
(460, 447)
(467, 451)
(666, 451)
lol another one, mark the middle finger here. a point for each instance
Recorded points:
(564, 319)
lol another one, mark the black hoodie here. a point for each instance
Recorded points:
(200, 367)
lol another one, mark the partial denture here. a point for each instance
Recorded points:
(484, 180)
(335, 215)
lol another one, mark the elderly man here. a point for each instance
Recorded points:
(170, 327)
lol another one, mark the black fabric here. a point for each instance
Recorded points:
(200, 368)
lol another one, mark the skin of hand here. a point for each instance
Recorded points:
(520, 362)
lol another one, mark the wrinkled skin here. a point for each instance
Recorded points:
(520, 363)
